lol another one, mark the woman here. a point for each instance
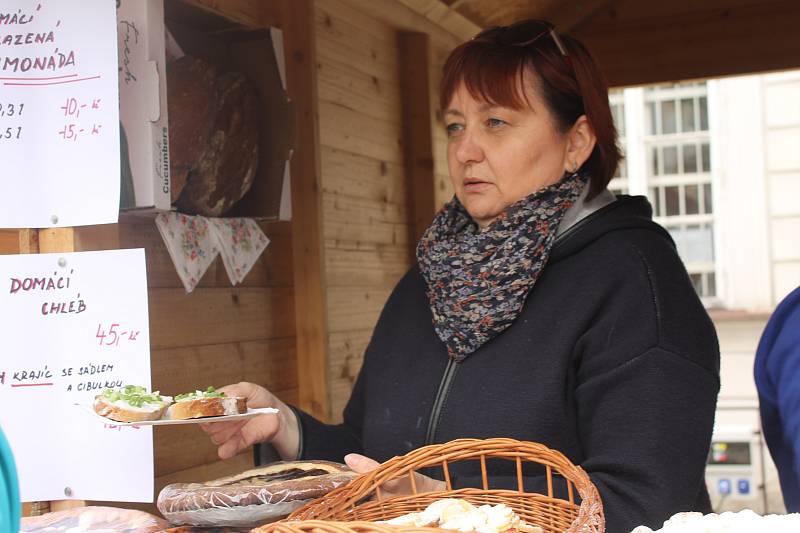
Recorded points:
(541, 307)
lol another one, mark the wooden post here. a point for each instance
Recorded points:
(417, 134)
(307, 239)
(28, 241)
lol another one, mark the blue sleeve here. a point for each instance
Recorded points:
(783, 368)
(777, 376)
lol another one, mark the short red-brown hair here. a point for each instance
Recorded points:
(491, 66)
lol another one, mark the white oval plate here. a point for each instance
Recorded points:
(227, 418)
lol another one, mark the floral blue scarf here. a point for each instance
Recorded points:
(477, 281)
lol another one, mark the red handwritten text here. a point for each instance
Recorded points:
(114, 335)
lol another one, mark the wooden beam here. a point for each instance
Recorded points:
(54, 240)
(483, 14)
(308, 246)
(499, 13)
(405, 15)
(445, 16)
(567, 15)
(10, 241)
(99, 237)
(635, 46)
(246, 12)
(28, 241)
(80, 239)
(414, 64)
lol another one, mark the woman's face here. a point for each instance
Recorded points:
(499, 155)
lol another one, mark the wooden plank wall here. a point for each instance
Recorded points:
(366, 216)
(443, 189)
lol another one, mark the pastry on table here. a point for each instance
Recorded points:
(460, 515)
(254, 497)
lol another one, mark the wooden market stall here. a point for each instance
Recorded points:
(368, 170)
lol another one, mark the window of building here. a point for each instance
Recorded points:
(619, 183)
(673, 150)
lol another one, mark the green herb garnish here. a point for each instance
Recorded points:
(134, 395)
(196, 395)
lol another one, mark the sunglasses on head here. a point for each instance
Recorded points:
(523, 34)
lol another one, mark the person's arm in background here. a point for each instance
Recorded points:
(777, 375)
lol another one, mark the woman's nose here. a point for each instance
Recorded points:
(469, 149)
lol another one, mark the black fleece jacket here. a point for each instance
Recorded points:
(613, 361)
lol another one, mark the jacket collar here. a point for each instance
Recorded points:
(583, 208)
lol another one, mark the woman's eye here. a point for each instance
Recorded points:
(454, 128)
(495, 122)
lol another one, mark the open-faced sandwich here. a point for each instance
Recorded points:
(131, 404)
(199, 404)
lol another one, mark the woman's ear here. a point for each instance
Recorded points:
(580, 143)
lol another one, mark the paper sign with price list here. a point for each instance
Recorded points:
(74, 324)
(59, 113)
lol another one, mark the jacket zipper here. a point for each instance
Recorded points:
(441, 394)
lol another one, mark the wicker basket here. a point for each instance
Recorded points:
(347, 510)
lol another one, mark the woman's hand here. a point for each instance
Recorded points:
(396, 487)
(280, 429)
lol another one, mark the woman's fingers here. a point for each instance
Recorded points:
(359, 463)
(257, 429)
(233, 437)
(243, 389)
(222, 431)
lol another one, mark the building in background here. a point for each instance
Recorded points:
(720, 162)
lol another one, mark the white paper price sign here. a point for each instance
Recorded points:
(59, 113)
(74, 324)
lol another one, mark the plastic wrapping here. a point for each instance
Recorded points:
(254, 497)
(94, 519)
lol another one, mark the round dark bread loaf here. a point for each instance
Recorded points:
(190, 100)
(256, 496)
(223, 157)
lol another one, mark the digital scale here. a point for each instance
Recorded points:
(735, 469)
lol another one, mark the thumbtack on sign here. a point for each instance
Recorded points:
(54, 219)
(62, 262)
(67, 491)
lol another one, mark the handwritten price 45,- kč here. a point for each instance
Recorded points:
(114, 335)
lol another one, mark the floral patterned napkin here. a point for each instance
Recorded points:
(240, 242)
(190, 244)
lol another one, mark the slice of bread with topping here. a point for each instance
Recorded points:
(199, 404)
(131, 404)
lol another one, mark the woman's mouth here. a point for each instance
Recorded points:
(475, 185)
